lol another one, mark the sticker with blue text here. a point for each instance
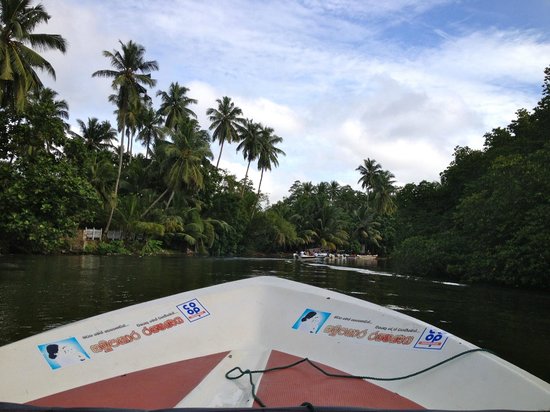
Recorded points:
(431, 339)
(193, 310)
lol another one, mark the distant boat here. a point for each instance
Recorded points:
(260, 341)
(366, 257)
(309, 255)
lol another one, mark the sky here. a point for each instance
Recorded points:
(400, 81)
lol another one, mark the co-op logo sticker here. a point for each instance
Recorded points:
(431, 339)
(311, 321)
(193, 310)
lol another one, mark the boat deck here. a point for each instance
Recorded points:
(186, 383)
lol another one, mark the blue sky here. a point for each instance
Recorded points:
(400, 81)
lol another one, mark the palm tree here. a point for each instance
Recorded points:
(174, 105)
(131, 73)
(283, 232)
(334, 191)
(384, 190)
(96, 135)
(100, 173)
(365, 227)
(379, 185)
(131, 118)
(18, 61)
(200, 231)
(224, 121)
(269, 152)
(150, 128)
(190, 147)
(368, 170)
(184, 158)
(250, 137)
(327, 226)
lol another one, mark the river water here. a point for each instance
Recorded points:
(38, 293)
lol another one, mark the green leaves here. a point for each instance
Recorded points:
(18, 62)
(223, 122)
(42, 202)
(487, 221)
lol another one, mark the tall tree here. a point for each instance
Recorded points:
(365, 228)
(151, 130)
(190, 148)
(378, 184)
(174, 105)
(96, 135)
(46, 116)
(130, 74)
(18, 61)
(384, 191)
(334, 190)
(101, 173)
(224, 121)
(250, 137)
(131, 118)
(269, 152)
(369, 171)
(184, 158)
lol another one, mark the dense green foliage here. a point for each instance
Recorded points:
(42, 202)
(326, 216)
(18, 77)
(487, 219)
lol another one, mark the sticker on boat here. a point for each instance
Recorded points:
(110, 344)
(193, 310)
(62, 353)
(311, 321)
(431, 339)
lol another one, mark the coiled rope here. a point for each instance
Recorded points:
(240, 373)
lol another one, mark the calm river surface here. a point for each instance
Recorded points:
(41, 292)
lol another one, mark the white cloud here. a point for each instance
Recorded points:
(323, 74)
(492, 56)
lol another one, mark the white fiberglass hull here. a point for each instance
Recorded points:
(176, 351)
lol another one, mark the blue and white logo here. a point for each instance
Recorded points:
(64, 352)
(431, 339)
(311, 321)
(193, 310)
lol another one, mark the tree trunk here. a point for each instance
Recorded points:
(154, 203)
(245, 177)
(170, 199)
(115, 192)
(220, 155)
(258, 194)
(261, 178)
(130, 146)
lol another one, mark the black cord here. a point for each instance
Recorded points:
(248, 372)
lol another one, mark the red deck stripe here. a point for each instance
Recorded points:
(155, 388)
(303, 383)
